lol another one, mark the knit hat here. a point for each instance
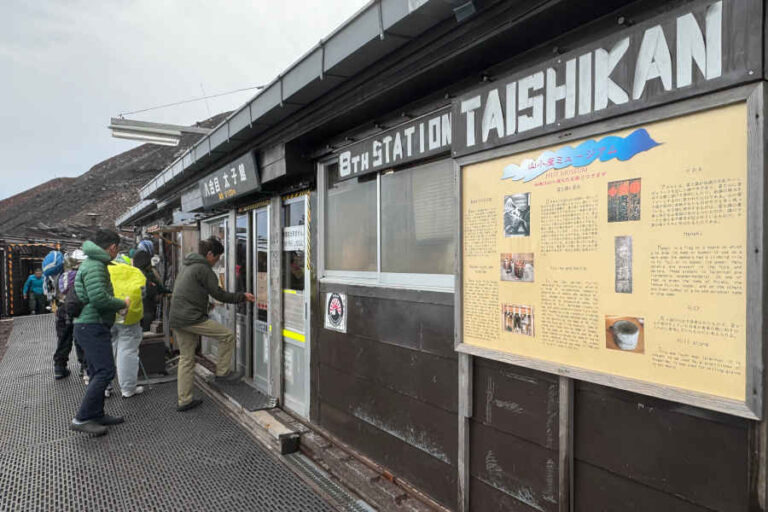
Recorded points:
(141, 259)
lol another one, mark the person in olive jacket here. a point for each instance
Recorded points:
(92, 329)
(189, 318)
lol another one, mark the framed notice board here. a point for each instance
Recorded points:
(627, 253)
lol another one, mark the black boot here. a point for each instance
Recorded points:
(60, 372)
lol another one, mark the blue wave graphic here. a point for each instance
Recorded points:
(607, 148)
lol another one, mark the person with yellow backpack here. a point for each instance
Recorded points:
(127, 281)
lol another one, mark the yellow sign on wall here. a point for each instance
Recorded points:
(624, 254)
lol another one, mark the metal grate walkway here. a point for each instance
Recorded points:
(157, 460)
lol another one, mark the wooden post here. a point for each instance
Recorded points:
(276, 299)
(465, 413)
(565, 445)
(758, 159)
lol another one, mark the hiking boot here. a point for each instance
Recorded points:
(229, 377)
(128, 394)
(107, 420)
(189, 405)
(60, 373)
(88, 427)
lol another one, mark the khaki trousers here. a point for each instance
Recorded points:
(187, 338)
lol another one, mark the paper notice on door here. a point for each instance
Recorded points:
(293, 238)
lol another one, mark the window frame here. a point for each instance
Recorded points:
(377, 278)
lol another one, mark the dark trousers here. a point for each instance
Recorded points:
(150, 308)
(96, 340)
(36, 303)
(65, 336)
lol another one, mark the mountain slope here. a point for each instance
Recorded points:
(59, 208)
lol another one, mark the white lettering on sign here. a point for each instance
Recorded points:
(586, 83)
(398, 145)
(238, 177)
(691, 46)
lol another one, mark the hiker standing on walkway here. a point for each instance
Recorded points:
(189, 318)
(142, 259)
(64, 322)
(33, 291)
(92, 329)
(128, 281)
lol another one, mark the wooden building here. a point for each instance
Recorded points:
(354, 199)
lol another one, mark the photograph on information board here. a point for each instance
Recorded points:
(623, 264)
(624, 200)
(640, 245)
(517, 319)
(517, 215)
(517, 267)
(624, 333)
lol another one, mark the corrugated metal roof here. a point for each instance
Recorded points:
(136, 210)
(358, 42)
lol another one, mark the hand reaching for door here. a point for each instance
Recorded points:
(249, 297)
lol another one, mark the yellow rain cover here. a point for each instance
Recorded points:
(127, 281)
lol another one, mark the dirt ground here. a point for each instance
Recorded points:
(5, 333)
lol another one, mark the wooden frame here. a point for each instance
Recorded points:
(752, 406)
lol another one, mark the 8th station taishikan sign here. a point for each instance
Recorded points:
(701, 47)
(420, 138)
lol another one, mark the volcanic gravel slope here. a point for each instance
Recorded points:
(60, 207)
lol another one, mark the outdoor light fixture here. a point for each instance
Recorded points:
(463, 9)
(153, 133)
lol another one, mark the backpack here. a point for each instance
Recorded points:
(53, 263)
(73, 306)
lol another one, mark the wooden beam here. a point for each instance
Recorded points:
(758, 187)
(565, 446)
(465, 413)
(276, 299)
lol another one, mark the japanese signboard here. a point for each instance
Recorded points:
(238, 178)
(700, 47)
(415, 140)
(624, 255)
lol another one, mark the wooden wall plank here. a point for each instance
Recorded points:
(420, 375)
(422, 326)
(598, 489)
(524, 471)
(517, 401)
(420, 425)
(427, 473)
(703, 461)
(486, 498)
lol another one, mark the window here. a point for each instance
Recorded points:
(350, 220)
(418, 213)
(393, 228)
(241, 260)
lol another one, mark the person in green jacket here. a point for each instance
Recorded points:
(189, 318)
(92, 330)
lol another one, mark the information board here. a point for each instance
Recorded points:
(623, 254)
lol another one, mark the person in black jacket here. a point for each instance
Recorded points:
(143, 261)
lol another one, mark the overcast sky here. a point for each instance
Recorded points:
(66, 67)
